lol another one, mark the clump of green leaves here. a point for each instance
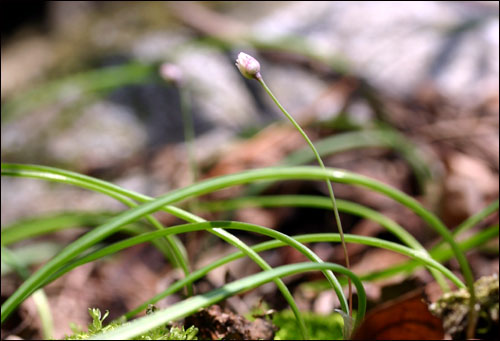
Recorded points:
(160, 333)
(96, 326)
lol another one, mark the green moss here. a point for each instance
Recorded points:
(320, 327)
(160, 333)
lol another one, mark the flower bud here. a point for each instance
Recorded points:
(172, 73)
(248, 66)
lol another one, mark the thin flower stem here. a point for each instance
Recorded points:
(327, 181)
(189, 142)
(189, 135)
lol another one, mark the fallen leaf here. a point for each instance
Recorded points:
(406, 318)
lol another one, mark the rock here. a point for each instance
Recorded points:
(453, 309)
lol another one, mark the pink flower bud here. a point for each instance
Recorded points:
(248, 66)
(172, 73)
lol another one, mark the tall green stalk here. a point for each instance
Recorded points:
(188, 125)
(250, 68)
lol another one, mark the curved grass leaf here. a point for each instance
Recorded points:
(39, 296)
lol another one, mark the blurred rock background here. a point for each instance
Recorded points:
(407, 51)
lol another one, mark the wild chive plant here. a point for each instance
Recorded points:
(84, 249)
(250, 68)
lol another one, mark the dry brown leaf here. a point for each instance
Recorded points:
(406, 318)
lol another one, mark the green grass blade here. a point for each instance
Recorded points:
(442, 254)
(476, 218)
(386, 137)
(315, 202)
(365, 139)
(45, 224)
(39, 297)
(42, 225)
(31, 254)
(90, 81)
